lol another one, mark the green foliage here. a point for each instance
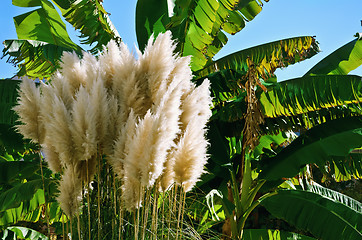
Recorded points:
(42, 34)
(10, 141)
(270, 234)
(308, 94)
(341, 61)
(11, 171)
(267, 57)
(198, 26)
(151, 18)
(315, 213)
(334, 138)
(27, 233)
(346, 167)
(34, 58)
(8, 97)
(334, 195)
(42, 24)
(91, 19)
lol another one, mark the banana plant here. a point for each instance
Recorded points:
(328, 117)
(43, 37)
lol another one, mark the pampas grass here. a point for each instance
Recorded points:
(140, 115)
(70, 188)
(28, 109)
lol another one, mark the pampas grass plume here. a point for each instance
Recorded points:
(58, 130)
(51, 156)
(83, 126)
(28, 109)
(70, 188)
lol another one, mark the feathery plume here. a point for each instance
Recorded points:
(99, 104)
(114, 125)
(58, 130)
(197, 102)
(157, 63)
(131, 185)
(28, 109)
(83, 126)
(51, 156)
(190, 155)
(122, 145)
(109, 61)
(91, 68)
(72, 71)
(60, 88)
(70, 188)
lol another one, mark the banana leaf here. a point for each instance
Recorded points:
(43, 37)
(316, 146)
(346, 168)
(334, 195)
(29, 210)
(42, 24)
(270, 234)
(198, 26)
(152, 16)
(35, 59)
(91, 19)
(296, 104)
(24, 192)
(323, 217)
(266, 57)
(10, 140)
(302, 95)
(341, 61)
(8, 96)
(11, 171)
(310, 119)
(27, 233)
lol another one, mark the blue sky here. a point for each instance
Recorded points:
(332, 22)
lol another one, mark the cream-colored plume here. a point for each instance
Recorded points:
(51, 156)
(70, 188)
(28, 109)
(143, 113)
(58, 130)
(84, 125)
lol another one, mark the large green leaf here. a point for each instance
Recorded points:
(91, 19)
(15, 170)
(43, 24)
(34, 58)
(266, 57)
(346, 168)
(317, 145)
(152, 16)
(27, 233)
(310, 119)
(323, 217)
(302, 95)
(225, 85)
(43, 36)
(8, 97)
(24, 192)
(22, 213)
(198, 25)
(294, 104)
(341, 61)
(26, 211)
(9, 138)
(336, 196)
(269, 234)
